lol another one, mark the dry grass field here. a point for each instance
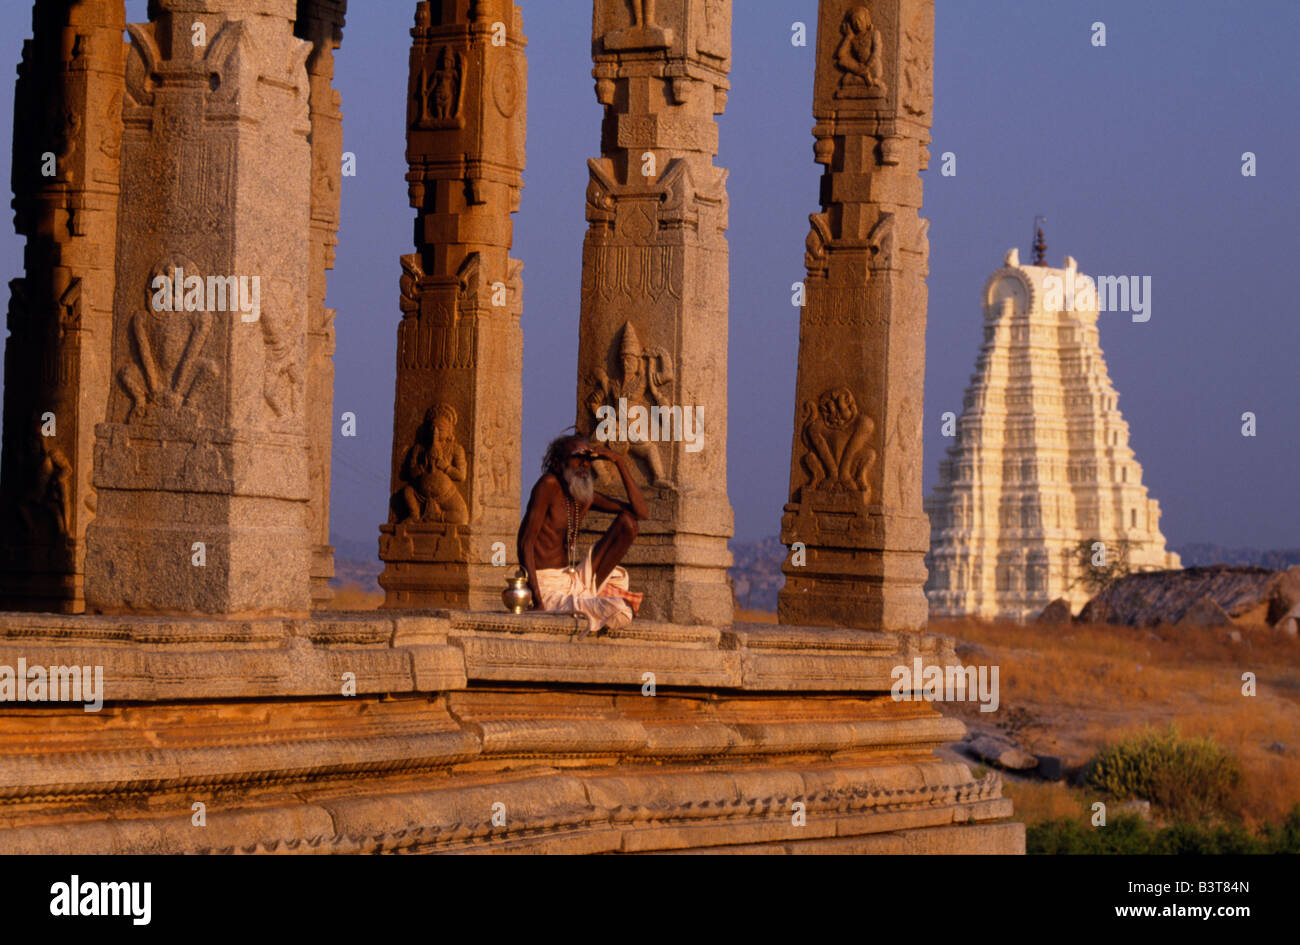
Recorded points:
(1071, 690)
(354, 597)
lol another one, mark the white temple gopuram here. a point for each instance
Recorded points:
(1040, 461)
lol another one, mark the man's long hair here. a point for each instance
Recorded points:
(557, 452)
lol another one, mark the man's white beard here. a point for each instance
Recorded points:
(581, 484)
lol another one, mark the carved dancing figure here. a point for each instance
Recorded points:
(281, 380)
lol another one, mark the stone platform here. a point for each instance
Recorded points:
(483, 732)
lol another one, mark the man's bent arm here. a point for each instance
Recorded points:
(636, 504)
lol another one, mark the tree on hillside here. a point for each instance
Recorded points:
(1101, 563)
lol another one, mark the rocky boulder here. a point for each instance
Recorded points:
(1057, 612)
(1205, 613)
(1215, 595)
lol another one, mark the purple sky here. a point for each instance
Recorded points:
(1132, 151)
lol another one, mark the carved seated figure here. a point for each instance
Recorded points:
(858, 54)
(431, 468)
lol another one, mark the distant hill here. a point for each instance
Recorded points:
(356, 563)
(756, 574)
(1199, 554)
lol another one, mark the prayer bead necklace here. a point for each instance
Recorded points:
(572, 532)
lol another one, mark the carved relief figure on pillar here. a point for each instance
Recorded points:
(439, 91)
(169, 368)
(856, 450)
(836, 437)
(45, 505)
(433, 465)
(644, 380)
(859, 55)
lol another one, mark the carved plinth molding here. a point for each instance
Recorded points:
(759, 738)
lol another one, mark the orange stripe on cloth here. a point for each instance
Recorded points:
(632, 597)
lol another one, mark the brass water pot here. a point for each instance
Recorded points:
(517, 596)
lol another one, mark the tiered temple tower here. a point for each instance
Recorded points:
(1041, 460)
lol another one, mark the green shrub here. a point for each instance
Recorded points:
(1285, 837)
(1129, 835)
(1125, 835)
(1190, 778)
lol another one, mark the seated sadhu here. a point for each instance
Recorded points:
(548, 536)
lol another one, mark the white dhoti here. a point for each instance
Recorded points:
(611, 605)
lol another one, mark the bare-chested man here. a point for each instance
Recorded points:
(547, 544)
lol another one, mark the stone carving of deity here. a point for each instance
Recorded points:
(643, 381)
(440, 92)
(48, 496)
(433, 465)
(859, 53)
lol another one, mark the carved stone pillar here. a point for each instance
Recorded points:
(320, 22)
(67, 136)
(202, 463)
(653, 336)
(855, 471)
(457, 414)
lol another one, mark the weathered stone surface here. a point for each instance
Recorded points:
(1000, 752)
(1041, 459)
(250, 718)
(202, 463)
(1205, 613)
(653, 327)
(67, 142)
(1166, 597)
(1050, 768)
(1057, 612)
(320, 22)
(458, 410)
(1284, 595)
(855, 468)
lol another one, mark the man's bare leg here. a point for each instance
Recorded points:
(609, 551)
